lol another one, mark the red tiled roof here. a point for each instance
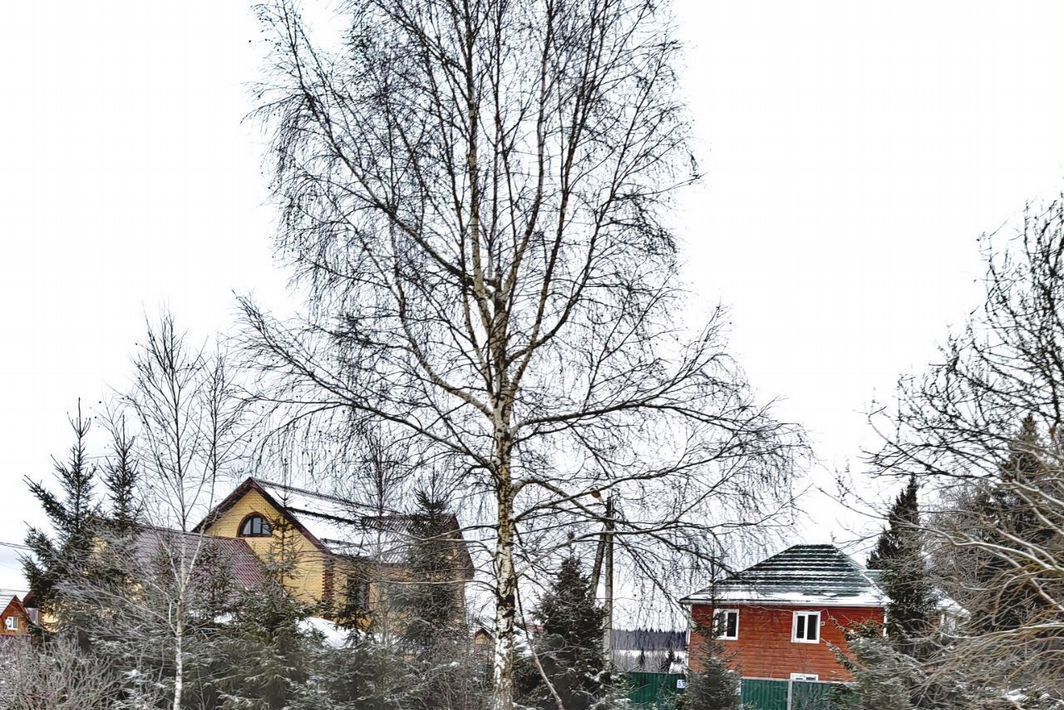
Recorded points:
(246, 568)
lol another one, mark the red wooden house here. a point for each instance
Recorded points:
(15, 620)
(777, 620)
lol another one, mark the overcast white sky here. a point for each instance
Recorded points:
(853, 152)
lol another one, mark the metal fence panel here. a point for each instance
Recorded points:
(765, 694)
(810, 695)
(652, 690)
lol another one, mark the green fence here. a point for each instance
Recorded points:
(818, 696)
(765, 694)
(793, 695)
(657, 691)
(653, 690)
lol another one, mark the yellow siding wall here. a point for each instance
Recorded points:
(307, 583)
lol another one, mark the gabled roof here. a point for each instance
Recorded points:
(800, 575)
(14, 606)
(339, 526)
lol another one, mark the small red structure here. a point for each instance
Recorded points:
(15, 619)
(779, 619)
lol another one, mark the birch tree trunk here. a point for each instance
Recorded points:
(179, 656)
(505, 612)
(188, 429)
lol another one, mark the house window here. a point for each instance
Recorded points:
(806, 627)
(11, 623)
(808, 677)
(255, 526)
(357, 594)
(726, 624)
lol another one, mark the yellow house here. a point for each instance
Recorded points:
(337, 554)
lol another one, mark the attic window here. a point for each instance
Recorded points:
(255, 526)
(11, 623)
(726, 624)
(806, 627)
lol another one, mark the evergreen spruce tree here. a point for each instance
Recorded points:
(266, 651)
(714, 686)
(108, 572)
(71, 514)
(432, 602)
(570, 645)
(431, 608)
(899, 554)
(120, 478)
(268, 654)
(884, 678)
(1003, 516)
(365, 674)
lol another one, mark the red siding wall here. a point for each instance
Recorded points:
(15, 609)
(764, 648)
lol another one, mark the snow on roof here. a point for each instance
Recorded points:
(346, 528)
(800, 575)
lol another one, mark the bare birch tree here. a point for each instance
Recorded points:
(982, 430)
(474, 194)
(187, 416)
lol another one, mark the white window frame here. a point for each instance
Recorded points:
(794, 626)
(11, 623)
(807, 677)
(724, 636)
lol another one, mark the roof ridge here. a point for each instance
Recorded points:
(860, 569)
(355, 506)
(306, 491)
(357, 520)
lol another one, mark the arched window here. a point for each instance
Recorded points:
(255, 525)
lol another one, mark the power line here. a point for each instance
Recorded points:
(15, 545)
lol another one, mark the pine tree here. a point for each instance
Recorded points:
(365, 674)
(714, 686)
(899, 554)
(71, 514)
(570, 646)
(904, 515)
